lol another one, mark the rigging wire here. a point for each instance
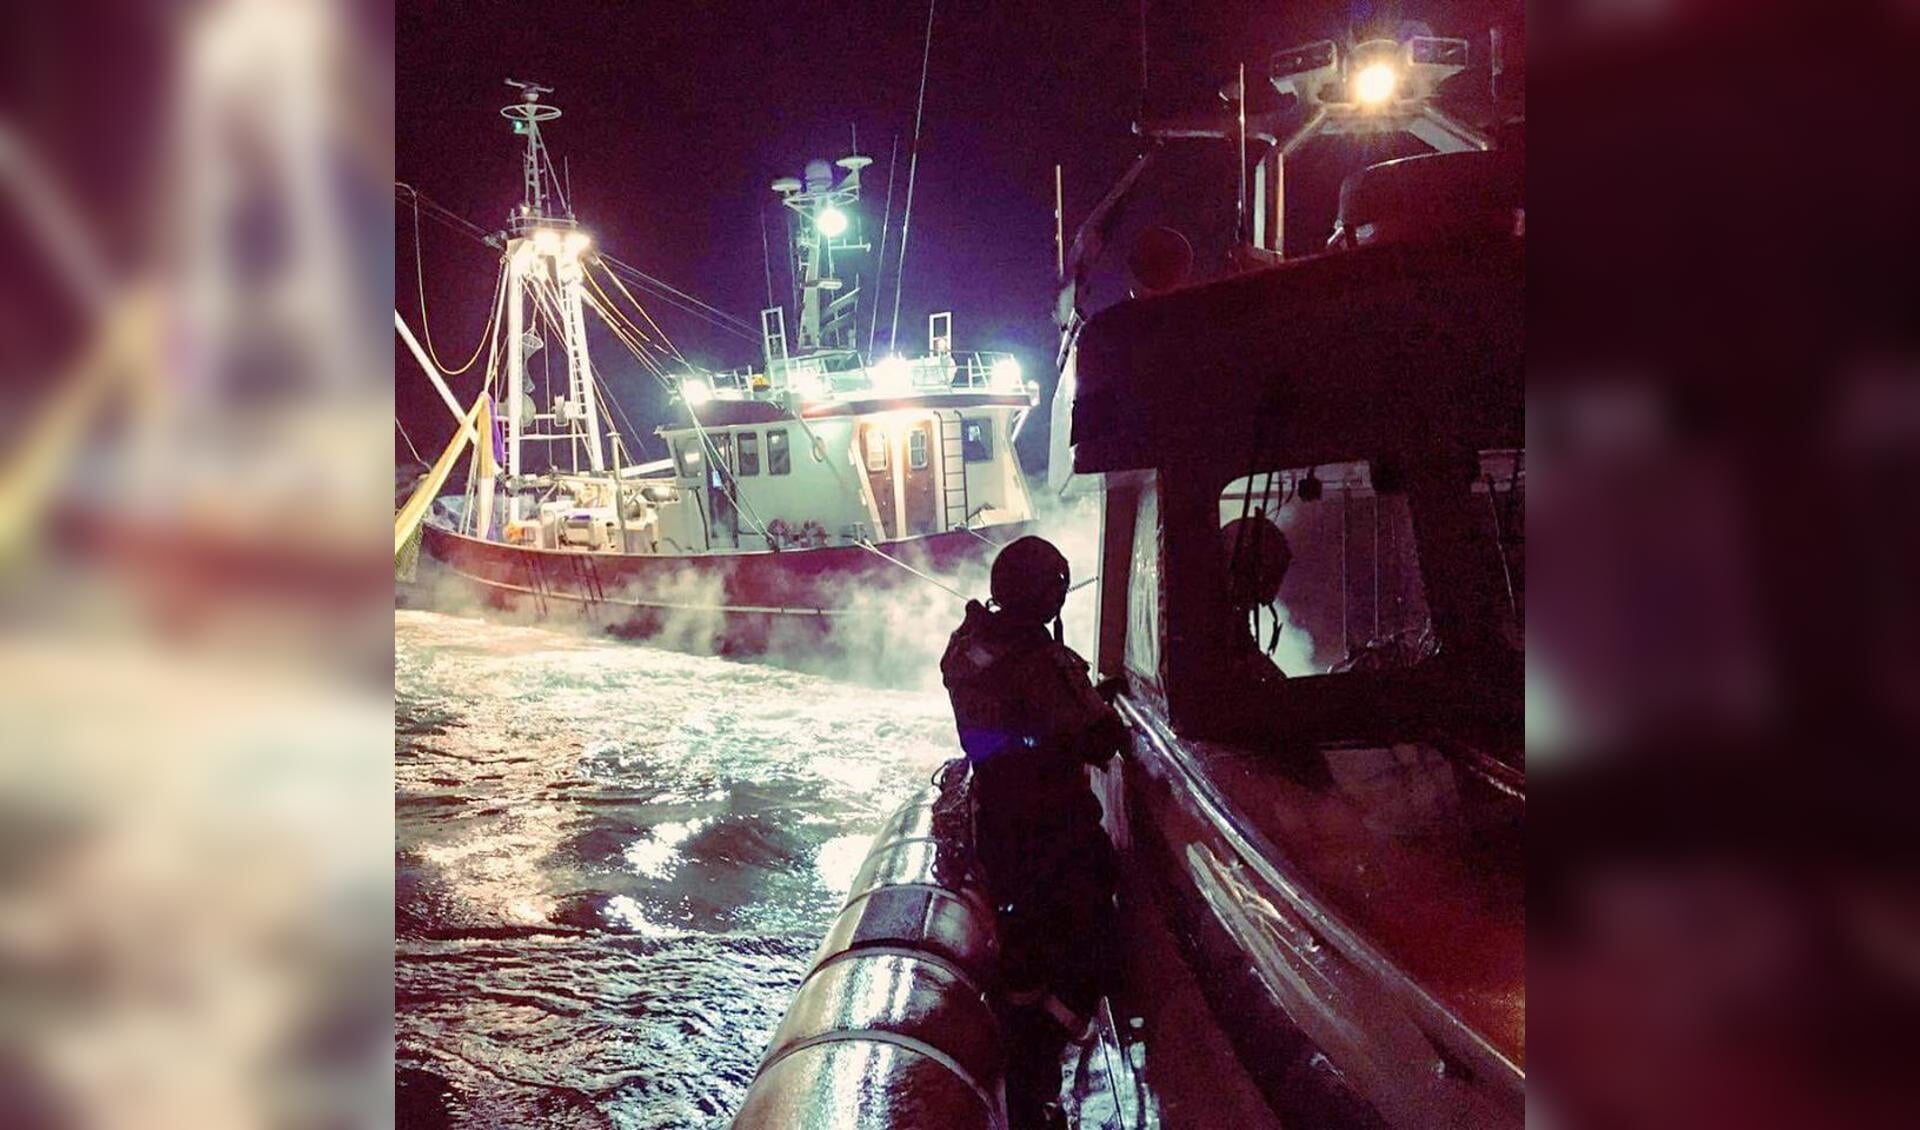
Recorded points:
(409, 439)
(731, 482)
(766, 254)
(602, 390)
(448, 217)
(875, 550)
(913, 166)
(666, 292)
(649, 317)
(622, 330)
(630, 335)
(671, 293)
(634, 337)
(605, 390)
(879, 259)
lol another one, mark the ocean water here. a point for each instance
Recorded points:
(613, 862)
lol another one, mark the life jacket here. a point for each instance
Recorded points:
(1017, 691)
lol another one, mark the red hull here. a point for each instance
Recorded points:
(728, 602)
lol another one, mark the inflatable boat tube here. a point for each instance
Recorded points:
(893, 1025)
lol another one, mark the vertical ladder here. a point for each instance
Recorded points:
(536, 576)
(953, 470)
(587, 574)
(773, 338)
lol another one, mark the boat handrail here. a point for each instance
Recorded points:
(816, 377)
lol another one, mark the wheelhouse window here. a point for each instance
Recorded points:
(1500, 516)
(722, 463)
(1322, 571)
(917, 449)
(876, 449)
(749, 453)
(779, 457)
(1144, 596)
(687, 455)
(976, 440)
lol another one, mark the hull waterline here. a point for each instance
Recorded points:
(833, 597)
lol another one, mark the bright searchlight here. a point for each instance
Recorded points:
(892, 374)
(831, 221)
(1375, 83)
(695, 392)
(1005, 374)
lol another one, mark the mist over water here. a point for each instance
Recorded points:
(613, 862)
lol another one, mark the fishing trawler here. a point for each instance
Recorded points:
(795, 490)
(1311, 587)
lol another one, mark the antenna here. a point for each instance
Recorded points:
(1059, 226)
(526, 116)
(1143, 58)
(913, 166)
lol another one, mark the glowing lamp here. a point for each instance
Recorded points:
(546, 241)
(574, 243)
(1005, 375)
(831, 221)
(809, 385)
(892, 374)
(1375, 83)
(695, 391)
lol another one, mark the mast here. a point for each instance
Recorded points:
(824, 206)
(544, 249)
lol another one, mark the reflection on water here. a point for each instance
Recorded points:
(612, 864)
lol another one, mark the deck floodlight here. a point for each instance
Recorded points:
(1375, 83)
(695, 391)
(808, 384)
(892, 374)
(546, 241)
(831, 221)
(1005, 374)
(1303, 71)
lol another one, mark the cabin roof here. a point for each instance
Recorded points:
(1351, 354)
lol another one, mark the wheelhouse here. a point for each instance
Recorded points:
(1312, 483)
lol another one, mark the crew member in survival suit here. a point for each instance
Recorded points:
(1030, 721)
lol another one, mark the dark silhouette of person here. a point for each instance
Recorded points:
(1031, 721)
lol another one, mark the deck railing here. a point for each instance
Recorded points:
(827, 376)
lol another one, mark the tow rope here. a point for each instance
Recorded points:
(875, 550)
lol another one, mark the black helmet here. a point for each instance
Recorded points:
(1030, 579)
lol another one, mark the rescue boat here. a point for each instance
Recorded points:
(1312, 586)
(1310, 472)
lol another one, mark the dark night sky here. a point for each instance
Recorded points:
(677, 115)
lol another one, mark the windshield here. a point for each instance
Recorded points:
(1324, 571)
